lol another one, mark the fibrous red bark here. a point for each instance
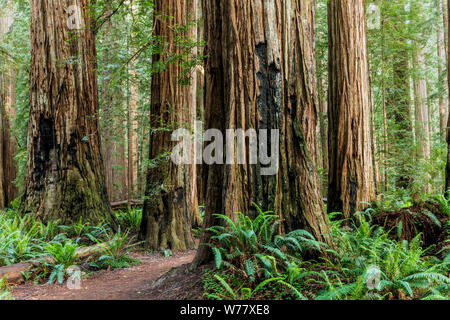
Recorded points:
(171, 189)
(351, 175)
(260, 75)
(65, 173)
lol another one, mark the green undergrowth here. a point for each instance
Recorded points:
(56, 247)
(254, 262)
(5, 291)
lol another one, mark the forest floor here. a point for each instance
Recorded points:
(139, 282)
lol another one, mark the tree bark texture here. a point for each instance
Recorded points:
(171, 194)
(260, 74)
(65, 173)
(351, 175)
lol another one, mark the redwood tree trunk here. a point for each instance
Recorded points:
(65, 174)
(351, 178)
(260, 75)
(171, 194)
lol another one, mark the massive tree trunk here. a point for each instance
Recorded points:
(8, 190)
(172, 197)
(260, 75)
(351, 176)
(65, 173)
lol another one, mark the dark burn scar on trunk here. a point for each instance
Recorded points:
(72, 147)
(270, 92)
(43, 144)
(178, 197)
(268, 104)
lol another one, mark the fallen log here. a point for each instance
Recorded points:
(14, 273)
(123, 205)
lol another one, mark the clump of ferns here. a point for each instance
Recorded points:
(443, 202)
(255, 250)
(20, 239)
(404, 270)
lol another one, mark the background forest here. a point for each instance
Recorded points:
(360, 196)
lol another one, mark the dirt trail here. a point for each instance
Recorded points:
(119, 284)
